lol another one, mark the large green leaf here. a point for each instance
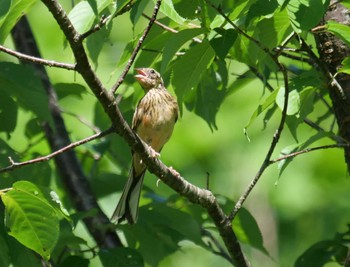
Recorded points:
(247, 230)
(188, 69)
(159, 230)
(21, 83)
(175, 42)
(340, 30)
(31, 218)
(167, 8)
(10, 13)
(209, 94)
(305, 14)
(83, 14)
(272, 31)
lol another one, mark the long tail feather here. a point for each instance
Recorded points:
(128, 205)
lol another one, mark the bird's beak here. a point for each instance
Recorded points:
(141, 74)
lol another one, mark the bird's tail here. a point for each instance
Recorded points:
(128, 205)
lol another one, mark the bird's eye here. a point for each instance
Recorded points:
(152, 71)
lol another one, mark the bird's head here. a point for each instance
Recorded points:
(148, 78)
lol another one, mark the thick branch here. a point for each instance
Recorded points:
(332, 51)
(196, 195)
(67, 163)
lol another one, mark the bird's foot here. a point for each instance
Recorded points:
(152, 152)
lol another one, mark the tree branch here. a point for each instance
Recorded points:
(14, 165)
(67, 163)
(37, 60)
(137, 47)
(307, 150)
(196, 195)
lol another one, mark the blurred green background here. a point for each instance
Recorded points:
(308, 203)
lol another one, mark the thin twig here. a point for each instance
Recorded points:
(279, 130)
(96, 27)
(274, 142)
(14, 165)
(307, 150)
(167, 28)
(137, 47)
(37, 60)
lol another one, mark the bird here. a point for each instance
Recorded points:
(153, 121)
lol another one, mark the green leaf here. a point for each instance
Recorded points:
(272, 31)
(345, 66)
(209, 95)
(301, 17)
(293, 101)
(83, 15)
(247, 230)
(10, 13)
(321, 253)
(188, 69)
(96, 41)
(167, 8)
(21, 83)
(223, 43)
(31, 219)
(8, 114)
(340, 30)
(159, 230)
(175, 42)
(121, 257)
(262, 107)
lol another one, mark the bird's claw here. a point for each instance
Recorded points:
(153, 153)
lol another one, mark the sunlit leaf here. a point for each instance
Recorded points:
(175, 42)
(293, 101)
(301, 17)
(345, 66)
(30, 218)
(10, 13)
(167, 8)
(83, 15)
(340, 30)
(189, 68)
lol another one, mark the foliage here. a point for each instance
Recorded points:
(213, 53)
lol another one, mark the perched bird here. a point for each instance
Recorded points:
(153, 121)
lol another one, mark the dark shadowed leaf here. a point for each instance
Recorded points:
(21, 83)
(123, 257)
